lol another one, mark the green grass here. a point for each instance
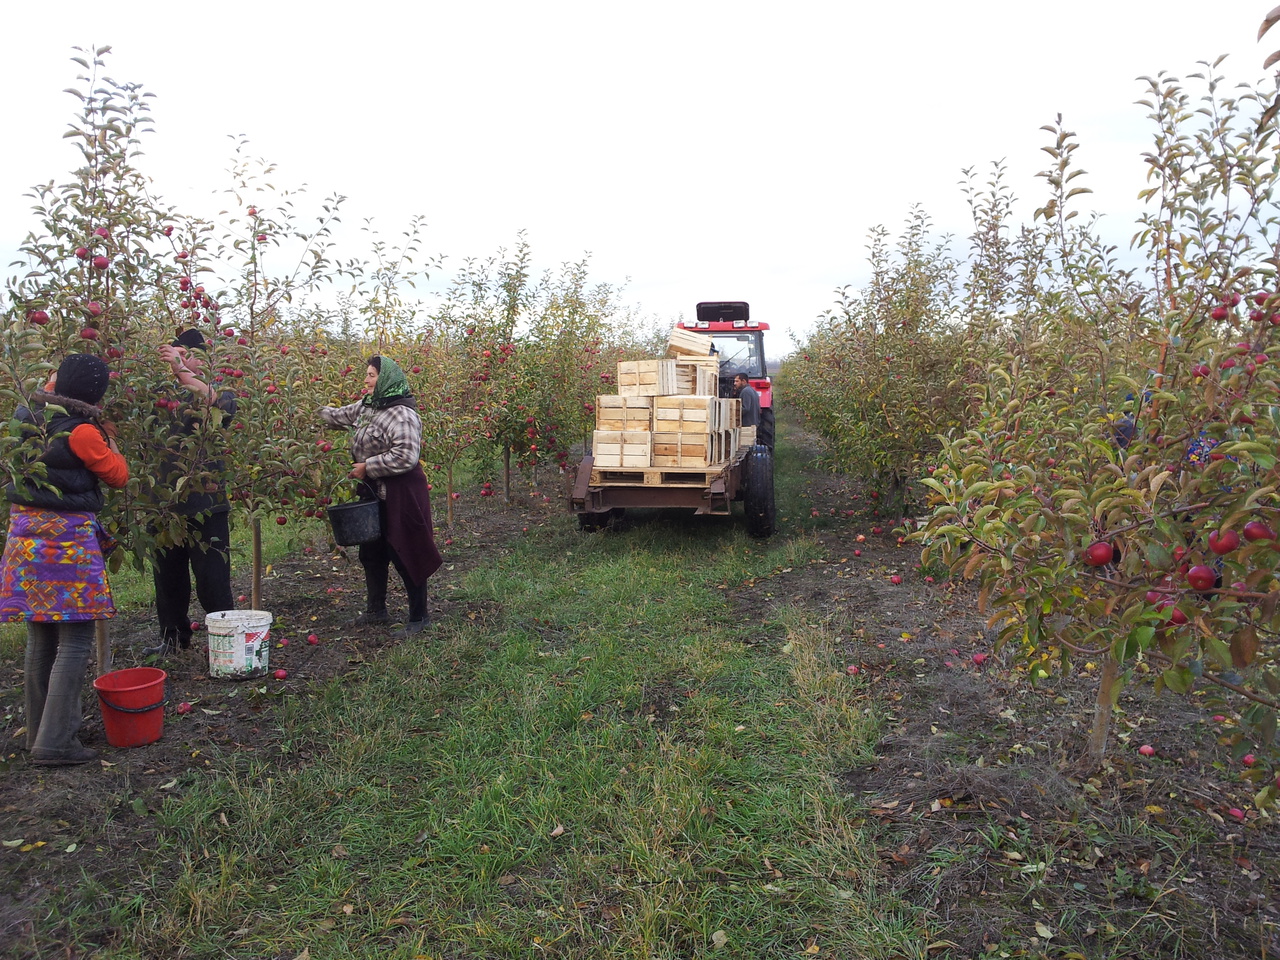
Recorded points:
(605, 762)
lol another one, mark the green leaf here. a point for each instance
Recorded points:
(1178, 679)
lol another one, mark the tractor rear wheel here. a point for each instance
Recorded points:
(764, 433)
(757, 497)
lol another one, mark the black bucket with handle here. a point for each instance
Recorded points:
(355, 523)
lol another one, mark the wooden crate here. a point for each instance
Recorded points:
(730, 413)
(685, 414)
(686, 343)
(646, 378)
(697, 377)
(684, 449)
(621, 448)
(615, 412)
(746, 436)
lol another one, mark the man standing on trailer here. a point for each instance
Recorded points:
(750, 400)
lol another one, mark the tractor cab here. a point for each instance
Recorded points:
(738, 342)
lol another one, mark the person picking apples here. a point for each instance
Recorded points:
(53, 572)
(386, 441)
(203, 551)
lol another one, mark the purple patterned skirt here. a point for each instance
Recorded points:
(52, 567)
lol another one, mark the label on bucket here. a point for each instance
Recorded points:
(239, 643)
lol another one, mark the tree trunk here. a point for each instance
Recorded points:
(448, 500)
(255, 591)
(506, 473)
(1092, 760)
(103, 642)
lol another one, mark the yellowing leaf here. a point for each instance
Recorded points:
(1043, 931)
(719, 939)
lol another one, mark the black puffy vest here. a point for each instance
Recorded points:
(75, 487)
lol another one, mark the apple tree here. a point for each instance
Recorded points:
(1115, 496)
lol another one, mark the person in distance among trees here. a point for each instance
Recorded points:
(386, 441)
(203, 550)
(53, 572)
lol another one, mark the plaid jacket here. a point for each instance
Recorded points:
(387, 441)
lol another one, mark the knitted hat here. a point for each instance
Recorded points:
(191, 339)
(84, 377)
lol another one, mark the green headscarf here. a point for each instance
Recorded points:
(392, 385)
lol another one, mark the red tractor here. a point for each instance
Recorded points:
(739, 343)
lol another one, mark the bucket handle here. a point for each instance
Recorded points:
(154, 706)
(355, 489)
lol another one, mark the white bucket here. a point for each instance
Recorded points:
(239, 644)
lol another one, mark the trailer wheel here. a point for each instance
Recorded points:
(591, 522)
(757, 497)
(764, 433)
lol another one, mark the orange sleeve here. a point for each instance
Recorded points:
(88, 443)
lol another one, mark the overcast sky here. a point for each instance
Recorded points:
(696, 150)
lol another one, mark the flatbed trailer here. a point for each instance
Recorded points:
(604, 494)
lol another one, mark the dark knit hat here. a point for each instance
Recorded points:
(191, 339)
(84, 377)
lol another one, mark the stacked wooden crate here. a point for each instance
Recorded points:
(666, 413)
(646, 378)
(624, 431)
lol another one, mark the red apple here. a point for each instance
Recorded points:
(1219, 313)
(1256, 530)
(82, 253)
(183, 707)
(1201, 578)
(88, 333)
(1223, 541)
(281, 674)
(312, 639)
(282, 520)
(262, 238)
(168, 231)
(895, 579)
(1099, 552)
(94, 308)
(38, 317)
(102, 232)
(1147, 750)
(100, 262)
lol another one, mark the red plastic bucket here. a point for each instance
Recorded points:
(132, 705)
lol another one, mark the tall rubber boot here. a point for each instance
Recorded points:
(375, 587)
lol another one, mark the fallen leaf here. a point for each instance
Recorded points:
(348, 909)
(719, 939)
(557, 831)
(1043, 931)
(304, 955)
(339, 852)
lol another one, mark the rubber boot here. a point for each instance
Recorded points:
(419, 616)
(375, 586)
(56, 742)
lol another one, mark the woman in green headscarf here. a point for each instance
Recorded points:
(386, 440)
